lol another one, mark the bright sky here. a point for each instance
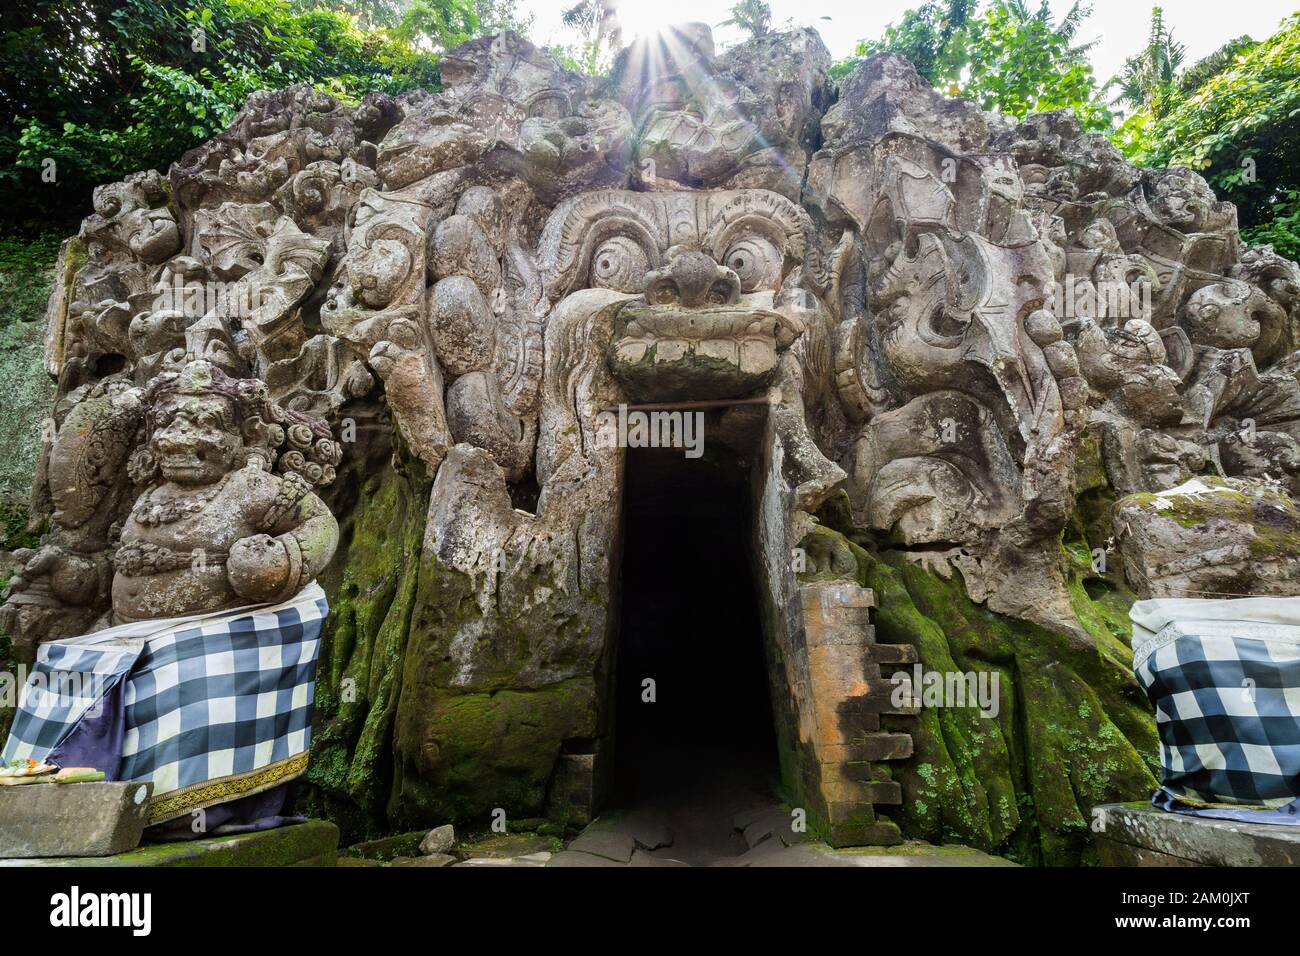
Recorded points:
(1120, 26)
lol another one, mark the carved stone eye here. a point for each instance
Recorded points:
(552, 104)
(619, 263)
(756, 262)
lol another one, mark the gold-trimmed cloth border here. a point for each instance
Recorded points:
(209, 793)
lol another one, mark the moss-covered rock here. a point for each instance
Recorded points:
(386, 849)
(371, 587)
(473, 753)
(1072, 728)
(471, 738)
(26, 276)
(401, 741)
(1211, 537)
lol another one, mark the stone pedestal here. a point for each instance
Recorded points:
(72, 819)
(579, 786)
(1137, 834)
(314, 843)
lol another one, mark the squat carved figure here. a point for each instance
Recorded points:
(215, 528)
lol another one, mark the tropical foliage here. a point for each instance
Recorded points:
(1011, 56)
(94, 89)
(929, 36)
(1148, 79)
(752, 16)
(1235, 118)
(1019, 62)
(1234, 115)
(599, 36)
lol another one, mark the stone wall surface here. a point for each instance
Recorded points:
(971, 364)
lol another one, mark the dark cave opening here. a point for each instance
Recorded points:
(705, 748)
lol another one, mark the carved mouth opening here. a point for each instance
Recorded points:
(690, 623)
(109, 364)
(714, 321)
(981, 385)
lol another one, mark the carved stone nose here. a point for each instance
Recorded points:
(693, 280)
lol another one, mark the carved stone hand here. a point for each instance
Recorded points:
(258, 567)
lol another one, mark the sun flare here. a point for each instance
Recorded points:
(642, 19)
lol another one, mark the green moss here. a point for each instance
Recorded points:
(371, 586)
(386, 849)
(313, 843)
(478, 752)
(26, 277)
(827, 555)
(1072, 729)
(1273, 518)
(1089, 464)
(14, 530)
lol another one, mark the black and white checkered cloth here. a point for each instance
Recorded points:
(67, 685)
(206, 699)
(1227, 700)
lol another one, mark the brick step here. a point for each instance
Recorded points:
(893, 653)
(847, 692)
(878, 747)
(878, 701)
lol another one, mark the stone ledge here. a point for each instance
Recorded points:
(314, 843)
(908, 854)
(1137, 834)
(39, 821)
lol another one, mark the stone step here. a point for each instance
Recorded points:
(847, 694)
(879, 701)
(862, 770)
(884, 791)
(1138, 834)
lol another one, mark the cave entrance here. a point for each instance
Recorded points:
(705, 749)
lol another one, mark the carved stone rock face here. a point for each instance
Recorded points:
(712, 284)
(956, 338)
(195, 440)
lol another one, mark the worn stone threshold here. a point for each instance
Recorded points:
(645, 839)
(1138, 834)
(314, 843)
(775, 853)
